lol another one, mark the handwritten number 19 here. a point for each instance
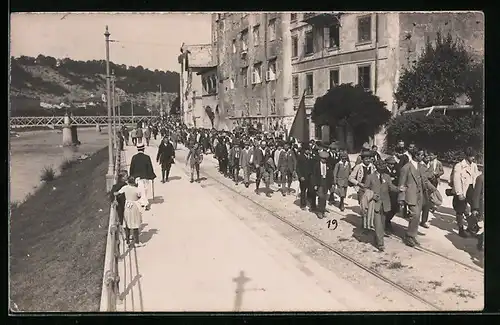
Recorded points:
(332, 224)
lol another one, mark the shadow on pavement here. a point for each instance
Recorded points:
(157, 200)
(129, 287)
(240, 281)
(360, 234)
(174, 178)
(146, 236)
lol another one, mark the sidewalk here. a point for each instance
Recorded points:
(199, 257)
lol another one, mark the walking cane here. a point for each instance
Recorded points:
(153, 187)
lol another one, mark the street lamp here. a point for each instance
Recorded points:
(110, 174)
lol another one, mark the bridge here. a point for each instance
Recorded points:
(55, 121)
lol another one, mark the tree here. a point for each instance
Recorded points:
(442, 74)
(348, 105)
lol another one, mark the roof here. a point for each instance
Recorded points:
(200, 55)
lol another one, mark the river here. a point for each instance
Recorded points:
(33, 150)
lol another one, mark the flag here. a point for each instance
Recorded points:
(300, 128)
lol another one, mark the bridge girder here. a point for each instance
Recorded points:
(34, 121)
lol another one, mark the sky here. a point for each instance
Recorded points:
(152, 40)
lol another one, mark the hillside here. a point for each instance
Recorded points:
(46, 80)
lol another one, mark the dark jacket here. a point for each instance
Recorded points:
(166, 153)
(221, 151)
(258, 157)
(304, 165)
(316, 174)
(141, 166)
(478, 196)
(382, 190)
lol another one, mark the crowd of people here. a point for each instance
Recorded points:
(405, 183)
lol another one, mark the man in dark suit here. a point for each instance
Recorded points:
(477, 208)
(258, 162)
(322, 179)
(165, 157)
(381, 185)
(412, 184)
(286, 166)
(304, 174)
(141, 168)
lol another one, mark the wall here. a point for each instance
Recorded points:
(467, 27)
(233, 95)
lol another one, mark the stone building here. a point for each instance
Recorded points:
(252, 51)
(369, 49)
(198, 85)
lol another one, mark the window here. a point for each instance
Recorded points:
(295, 46)
(317, 132)
(234, 46)
(309, 45)
(244, 75)
(273, 105)
(214, 36)
(334, 78)
(333, 39)
(364, 77)
(256, 35)
(293, 17)
(205, 85)
(272, 29)
(258, 107)
(295, 82)
(231, 83)
(244, 40)
(365, 29)
(247, 109)
(309, 84)
(257, 73)
(271, 71)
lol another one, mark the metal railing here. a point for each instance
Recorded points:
(34, 121)
(111, 279)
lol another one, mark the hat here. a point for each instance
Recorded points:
(365, 154)
(324, 155)
(140, 146)
(333, 145)
(390, 160)
(366, 146)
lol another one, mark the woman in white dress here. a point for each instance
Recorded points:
(132, 214)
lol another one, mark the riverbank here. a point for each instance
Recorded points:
(34, 150)
(58, 239)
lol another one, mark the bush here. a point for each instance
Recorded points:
(67, 164)
(14, 205)
(447, 136)
(48, 174)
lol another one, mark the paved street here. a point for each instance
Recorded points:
(208, 250)
(199, 257)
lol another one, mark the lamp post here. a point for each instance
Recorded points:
(109, 175)
(113, 100)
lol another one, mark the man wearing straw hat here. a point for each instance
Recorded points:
(141, 168)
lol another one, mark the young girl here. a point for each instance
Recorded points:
(132, 213)
(195, 157)
(120, 199)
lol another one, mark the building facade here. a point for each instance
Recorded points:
(253, 56)
(370, 49)
(198, 88)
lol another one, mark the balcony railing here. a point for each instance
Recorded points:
(321, 19)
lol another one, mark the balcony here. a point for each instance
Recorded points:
(321, 19)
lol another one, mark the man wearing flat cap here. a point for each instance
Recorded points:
(360, 172)
(141, 168)
(380, 184)
(304, 173)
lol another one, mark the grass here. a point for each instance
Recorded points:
(48, 174)
(58, 242)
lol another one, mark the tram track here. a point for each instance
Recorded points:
(420, 248)
(317, 240)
